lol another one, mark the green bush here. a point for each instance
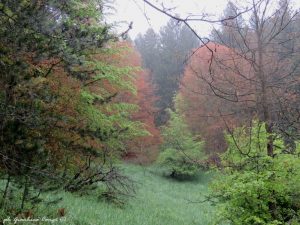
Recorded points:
(181, 154)
(254, 188)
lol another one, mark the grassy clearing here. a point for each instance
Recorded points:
(158, 201)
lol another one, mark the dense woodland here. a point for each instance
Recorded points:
(88, 115)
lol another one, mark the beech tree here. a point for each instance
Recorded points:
(255, 79)
(143, 148)
(205, 96)
(263, 80)
(262, 85)
(146, 147)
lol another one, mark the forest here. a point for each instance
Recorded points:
(171, 127)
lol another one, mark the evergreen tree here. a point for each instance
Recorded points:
(149, 47)
(164, 54)
(182, 154)
(58, 121)
(228, 33)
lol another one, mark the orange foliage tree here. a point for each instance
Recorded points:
(213, 93)
(145, 147)
(145, 99)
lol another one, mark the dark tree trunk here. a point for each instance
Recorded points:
(5, 191)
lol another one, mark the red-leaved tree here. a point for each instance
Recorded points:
(213, 92)
(142, 149)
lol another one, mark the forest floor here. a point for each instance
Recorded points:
(158, 201)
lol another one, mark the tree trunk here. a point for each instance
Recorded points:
(25, 192)
(263, 103)
(5, 191)
(173, 174)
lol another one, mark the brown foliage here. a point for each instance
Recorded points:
(142, 149)
(147, 146)
(213, 91)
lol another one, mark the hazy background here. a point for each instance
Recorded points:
(144, 17)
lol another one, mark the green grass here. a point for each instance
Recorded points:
(159, 201)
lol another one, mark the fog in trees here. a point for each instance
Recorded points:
(165, 54)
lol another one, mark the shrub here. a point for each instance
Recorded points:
(254, 188)
(181, 152)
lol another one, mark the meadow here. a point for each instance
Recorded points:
(159, 200)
